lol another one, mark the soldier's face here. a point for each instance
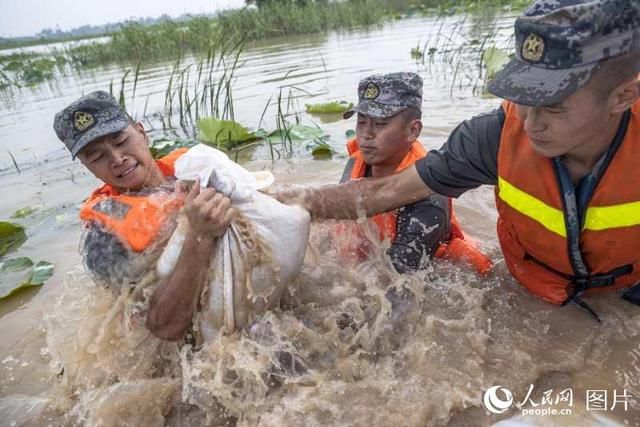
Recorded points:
(567, 128)
(122, 159)
(384, 142)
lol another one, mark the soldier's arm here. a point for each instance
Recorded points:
(173, 303)
(360, 197)
(467, 160)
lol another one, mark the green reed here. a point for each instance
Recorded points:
(136, 43)
(203, 89)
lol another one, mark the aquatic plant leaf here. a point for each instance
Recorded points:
(38, 274)
(42, 271)
(223, 133)
(261, 133)
(297, 133)
(305, 133)
(36, 71)
(15, 264)
(161, 147)
(12, 236)
(13, 66)
(494, 59)
(320, 150)
(334, 107)
(21, 213)
(7, 289)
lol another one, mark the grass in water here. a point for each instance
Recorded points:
(136, 43)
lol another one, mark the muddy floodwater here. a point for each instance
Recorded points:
(350, 345)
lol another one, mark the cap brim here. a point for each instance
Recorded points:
(375, 110)
(116, 124)
(527, 84)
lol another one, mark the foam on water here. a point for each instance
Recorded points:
(351, 345)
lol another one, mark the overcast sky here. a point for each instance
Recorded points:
(28, 17)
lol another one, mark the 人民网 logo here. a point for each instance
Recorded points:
(496, 404)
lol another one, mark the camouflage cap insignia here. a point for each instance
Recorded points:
(83, 121)
(533, 48)
(371, 92)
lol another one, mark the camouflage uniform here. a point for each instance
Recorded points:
(384, 95)
(421, 226)
(559, 44)
(91, 117)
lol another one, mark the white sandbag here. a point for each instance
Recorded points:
(256, 258)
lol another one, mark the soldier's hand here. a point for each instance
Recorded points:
(208, 211)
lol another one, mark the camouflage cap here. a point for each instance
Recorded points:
(89, 118)
(559, 44)
(384, 95)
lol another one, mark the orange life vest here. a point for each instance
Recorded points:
(457, 248)
(136, 220)
(535, 234)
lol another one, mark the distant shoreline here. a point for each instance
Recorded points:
(7, 44)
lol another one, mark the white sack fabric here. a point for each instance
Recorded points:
(258, 256)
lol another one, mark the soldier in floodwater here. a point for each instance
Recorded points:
(131, 212)
(561, 151)
(389, 122)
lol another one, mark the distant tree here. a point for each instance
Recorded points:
(46, 33)
(261, 3)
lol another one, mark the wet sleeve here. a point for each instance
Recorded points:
(468, 159)
(421, 227)
(105, 257)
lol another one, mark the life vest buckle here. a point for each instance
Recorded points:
(601, 280)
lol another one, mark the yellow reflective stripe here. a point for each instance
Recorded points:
(614, 216)
(550, 218)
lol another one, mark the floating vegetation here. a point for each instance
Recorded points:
(227, 135)
(24, 212)
(12, 236)
(20, 273)
(223, 133)
(163, 146)
(320, 150)
(135, 43)
(333, 107)
(28, 69)
(312, 138)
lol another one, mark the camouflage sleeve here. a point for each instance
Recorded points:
(105, 257)
(421, 227)
(468, 159)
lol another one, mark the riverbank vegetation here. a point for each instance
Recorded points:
(135, 43)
